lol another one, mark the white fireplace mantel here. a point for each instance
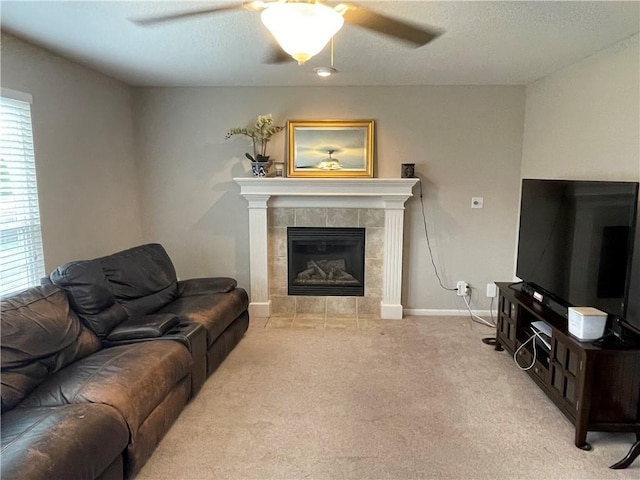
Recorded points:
(389, 194)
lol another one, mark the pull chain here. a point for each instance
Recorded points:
(331, 52)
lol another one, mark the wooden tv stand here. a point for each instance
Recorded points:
(597, 388)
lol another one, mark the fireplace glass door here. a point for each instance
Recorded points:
(325, 261)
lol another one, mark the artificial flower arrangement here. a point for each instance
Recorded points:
(260, 135)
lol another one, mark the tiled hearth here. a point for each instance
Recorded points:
(376, 204)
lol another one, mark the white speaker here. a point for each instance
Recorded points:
(586, 323)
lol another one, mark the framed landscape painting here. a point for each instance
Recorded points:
(328, 148)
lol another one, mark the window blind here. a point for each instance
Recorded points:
(21, 257)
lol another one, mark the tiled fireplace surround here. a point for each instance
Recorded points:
(371, 219)
(375, 204)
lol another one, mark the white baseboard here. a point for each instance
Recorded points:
(260, 309)
(391, 312)
(429, 312)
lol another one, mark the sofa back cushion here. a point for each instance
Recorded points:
(142, 278)
(108, 290)
(90, 295)
(40, 335)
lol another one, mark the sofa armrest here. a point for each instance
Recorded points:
(203, 286)
(143, 326)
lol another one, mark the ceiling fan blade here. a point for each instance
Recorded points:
(194, 13)
(411, 33)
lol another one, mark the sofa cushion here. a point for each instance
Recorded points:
(90, 295)
(73, 441)
(133, 379)
(40, 336)
(142, 278)
(214, 312)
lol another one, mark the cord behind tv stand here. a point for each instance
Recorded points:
(596, 387)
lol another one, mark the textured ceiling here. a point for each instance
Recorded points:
(484, 42)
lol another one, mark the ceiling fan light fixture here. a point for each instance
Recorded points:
(302, 29)
(325, 71)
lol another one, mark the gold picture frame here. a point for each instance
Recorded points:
(330, 148)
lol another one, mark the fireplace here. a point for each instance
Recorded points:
(291, 196)
(325, 261)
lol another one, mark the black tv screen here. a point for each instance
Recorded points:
(576, 241)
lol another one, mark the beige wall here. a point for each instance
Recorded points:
(583, 122)
(466, 141)
(84, 148)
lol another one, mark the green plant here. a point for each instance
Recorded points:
(260, 134)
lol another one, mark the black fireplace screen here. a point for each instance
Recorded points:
(326, 261)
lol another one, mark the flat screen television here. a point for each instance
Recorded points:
(576, 244)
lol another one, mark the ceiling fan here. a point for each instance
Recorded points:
(303, 28)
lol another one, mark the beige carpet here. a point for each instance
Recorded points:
(410, 399)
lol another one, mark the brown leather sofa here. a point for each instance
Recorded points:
(97, 366)
(119, 294)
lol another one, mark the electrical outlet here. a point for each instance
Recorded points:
(492, 290)
(462, 288)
